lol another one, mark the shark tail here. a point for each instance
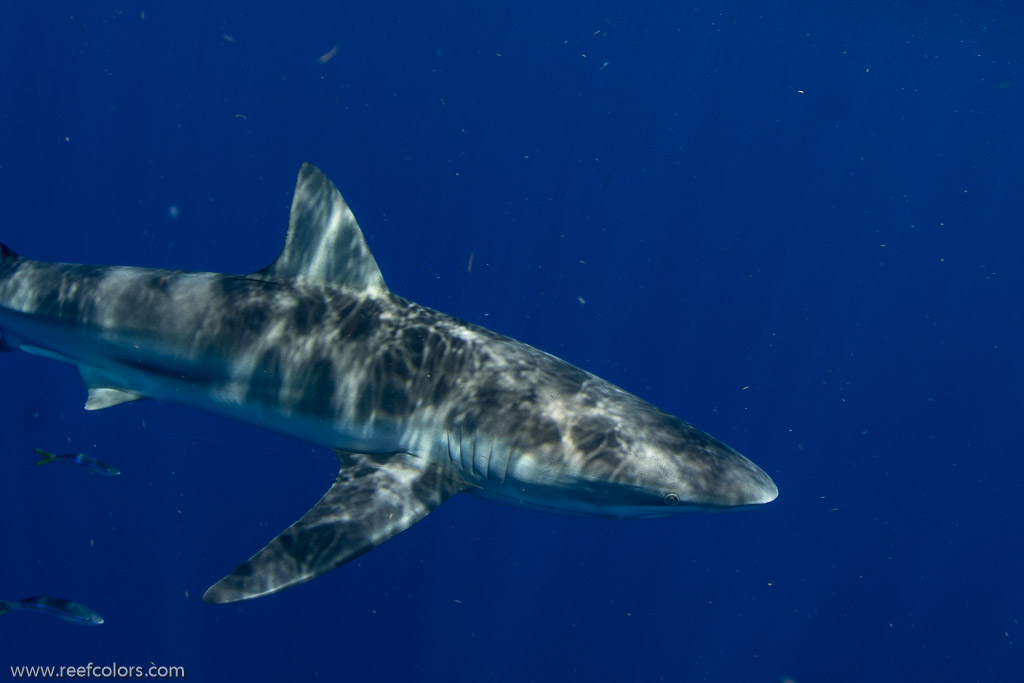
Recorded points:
(5, 607)
(7, 253)
(47, 457)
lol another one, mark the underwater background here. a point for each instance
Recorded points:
(797, 225)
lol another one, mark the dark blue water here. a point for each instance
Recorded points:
(796, 225)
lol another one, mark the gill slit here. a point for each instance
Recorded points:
(487, 468)
(462, 462)
(473, 458)
(508, 460)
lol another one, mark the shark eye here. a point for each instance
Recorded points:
(671, 499)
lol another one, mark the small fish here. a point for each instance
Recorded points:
(92, 464)
(54, 607)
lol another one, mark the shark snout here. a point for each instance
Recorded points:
(720, 478)
(762, 490)
(749, 485)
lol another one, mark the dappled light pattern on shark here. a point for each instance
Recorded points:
(421, 405)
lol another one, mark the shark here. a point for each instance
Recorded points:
(418, 405)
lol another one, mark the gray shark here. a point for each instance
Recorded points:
(418, 405)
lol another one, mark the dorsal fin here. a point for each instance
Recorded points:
(324, 242)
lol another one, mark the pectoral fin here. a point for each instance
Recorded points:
(103, 390)
(105, 397)
(374, 498)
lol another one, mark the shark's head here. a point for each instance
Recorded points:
(660, 465)
(677, 467)
(623, 457)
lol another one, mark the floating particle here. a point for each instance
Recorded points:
(329, 55)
